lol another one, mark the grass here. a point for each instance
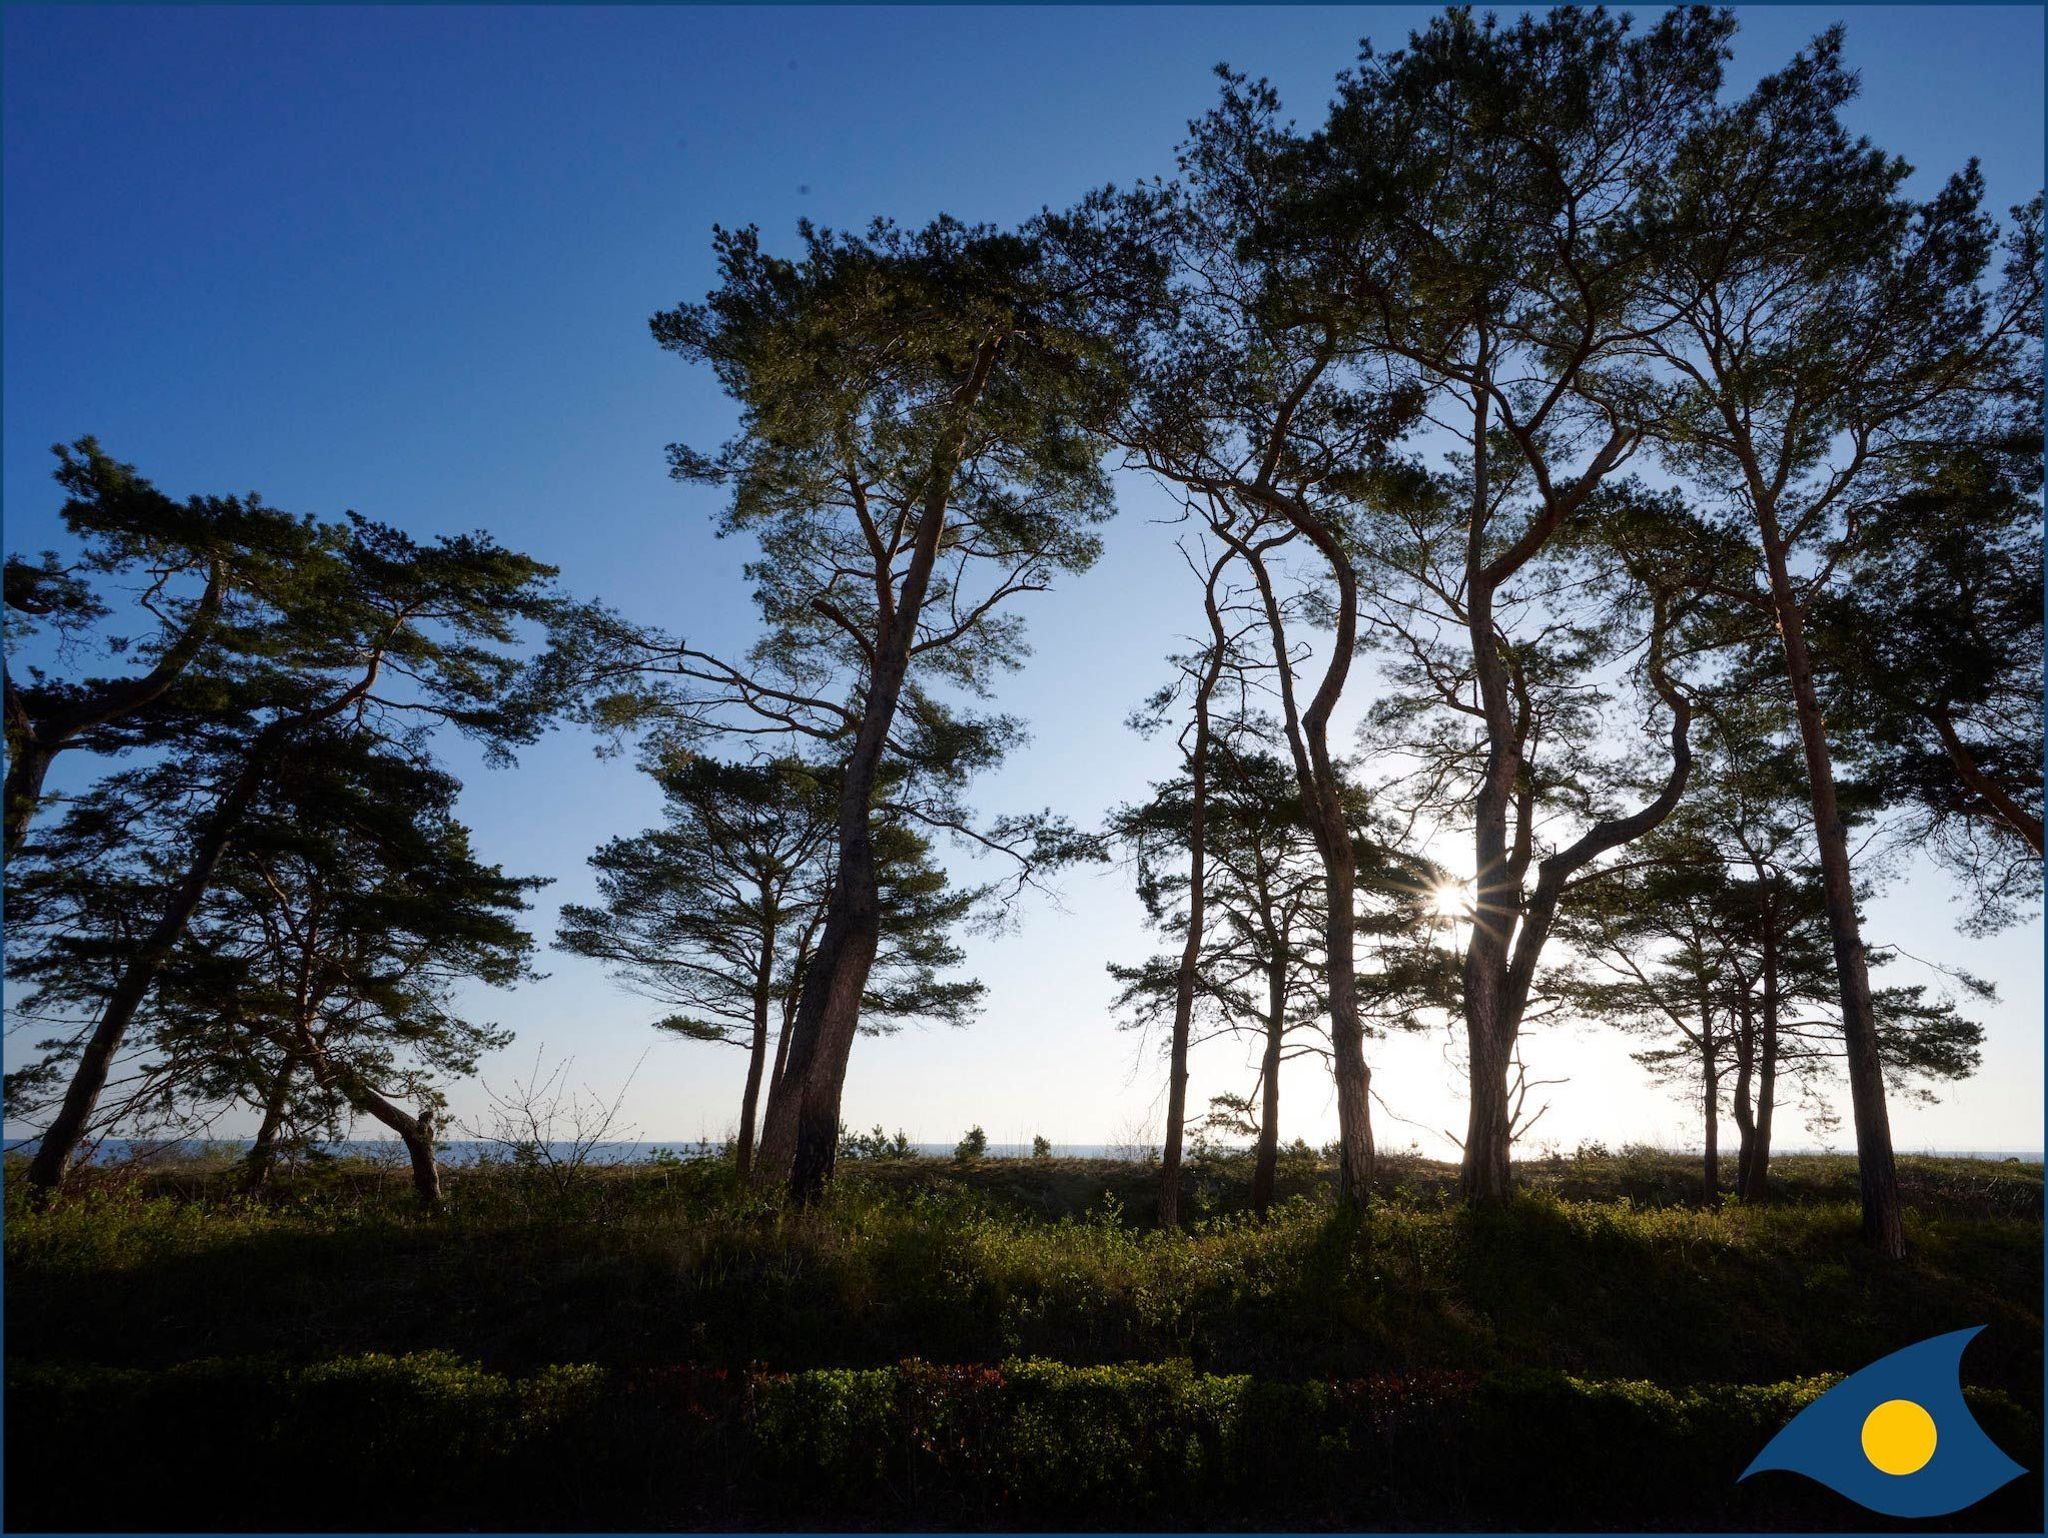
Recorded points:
(1585, 1273)
(1604, 1270)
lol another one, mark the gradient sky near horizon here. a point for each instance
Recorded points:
(401, 260)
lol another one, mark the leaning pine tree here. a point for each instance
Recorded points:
(368, 629)
(317, 984)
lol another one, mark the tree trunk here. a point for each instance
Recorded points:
(781, 1048)
(419, 1147)
(1758, 1190)
(61, 1139)
(1745, 1076)
(757, 1049)
(1188, 973)
(1265, 1164)
(1882, 1224)
(1308, 740)
(1484, 1172)
(1710, 1075)
(415, 1132)
(750, 1096)
(800, 1133)
(263, 1152)
(1500, 959)
(1356, 1155)
(27, 763)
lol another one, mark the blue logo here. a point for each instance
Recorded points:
(1896, 1437)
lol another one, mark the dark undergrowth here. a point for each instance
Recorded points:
(432, 1441)
(710, 1339)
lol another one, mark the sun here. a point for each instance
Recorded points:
(1451, 900)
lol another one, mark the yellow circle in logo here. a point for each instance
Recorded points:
(1898, 1437)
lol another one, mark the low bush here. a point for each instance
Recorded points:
(430, 1440)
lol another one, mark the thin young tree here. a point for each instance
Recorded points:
(1184, 825)
(1681, 948)
(1266, 967)
(1260, 970)
(1662, 972)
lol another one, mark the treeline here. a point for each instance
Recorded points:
(1674, 467)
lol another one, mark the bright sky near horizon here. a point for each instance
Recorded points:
(401, 260)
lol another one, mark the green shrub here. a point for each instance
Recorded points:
(873, 1144)
(433, 1440)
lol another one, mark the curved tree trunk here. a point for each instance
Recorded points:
(415, 1132)
(419, 1147)
(1501, 958)
(1308, 741)
(1883, 1226)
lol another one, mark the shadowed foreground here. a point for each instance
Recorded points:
(988, 1344)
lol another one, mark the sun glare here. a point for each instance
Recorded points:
(1451, 900)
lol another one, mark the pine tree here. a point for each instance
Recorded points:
(198, 566)
(715, 914)
(316, 982)
(913, 457)
(365, 628)
(1819, 332)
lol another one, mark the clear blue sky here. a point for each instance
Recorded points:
(401, 259)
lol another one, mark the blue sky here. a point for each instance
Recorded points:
(402, 259)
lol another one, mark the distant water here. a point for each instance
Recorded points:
(459, 1152)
